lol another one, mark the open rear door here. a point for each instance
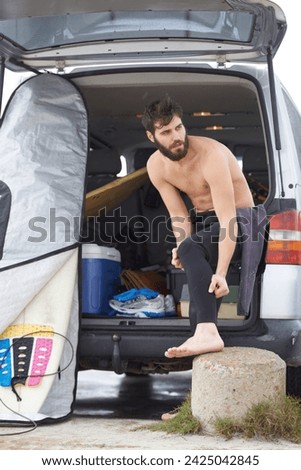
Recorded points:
(65, 33)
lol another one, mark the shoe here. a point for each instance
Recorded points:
(140, 304)
(142, 307)
(170, 306)
(169, 309)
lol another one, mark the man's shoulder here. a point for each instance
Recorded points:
(210, 149)
(204, 141)
(155, 166)
(154, 159)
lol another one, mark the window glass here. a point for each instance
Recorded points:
(38, 32)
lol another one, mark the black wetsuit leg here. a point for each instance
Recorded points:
(199, 255)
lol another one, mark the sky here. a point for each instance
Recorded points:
(287, 62)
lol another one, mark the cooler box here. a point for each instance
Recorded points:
(101, 268)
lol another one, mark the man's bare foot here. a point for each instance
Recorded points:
(206, 339)
(170, 415)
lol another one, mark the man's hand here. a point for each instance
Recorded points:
(175, 260)
(218, 286)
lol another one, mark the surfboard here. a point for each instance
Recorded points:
(112, 194)
(31, 347)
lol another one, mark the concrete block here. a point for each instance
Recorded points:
(227, 383)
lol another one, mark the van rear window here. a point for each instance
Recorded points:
(39, 32)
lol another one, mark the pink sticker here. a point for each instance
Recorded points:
(42, 352)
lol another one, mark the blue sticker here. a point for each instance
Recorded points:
(5, 363)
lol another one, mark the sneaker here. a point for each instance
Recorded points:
(169, 310)
(142, 307)
(140, 304)
(170, 306)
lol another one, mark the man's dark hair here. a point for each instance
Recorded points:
(162, 112)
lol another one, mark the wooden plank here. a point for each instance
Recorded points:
(111, 195)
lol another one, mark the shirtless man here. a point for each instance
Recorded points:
(209, 174)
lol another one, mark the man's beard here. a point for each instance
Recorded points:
(177, 154)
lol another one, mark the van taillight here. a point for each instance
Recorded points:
(284, 246)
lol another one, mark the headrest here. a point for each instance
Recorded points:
(104, 161)
(254, 159)
(141, 156)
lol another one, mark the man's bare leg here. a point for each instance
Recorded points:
(205, 339)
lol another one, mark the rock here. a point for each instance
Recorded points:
(227, 383)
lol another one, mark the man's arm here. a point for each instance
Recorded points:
(218, 176)
(180, 219)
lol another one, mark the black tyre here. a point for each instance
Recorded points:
(293, 381)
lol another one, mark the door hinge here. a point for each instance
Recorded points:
(221, 60)
(60, 65)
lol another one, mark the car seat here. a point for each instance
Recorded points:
(103, 166)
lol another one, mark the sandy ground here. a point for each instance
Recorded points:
(101, 433)
(114, 412)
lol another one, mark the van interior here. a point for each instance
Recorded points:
(223, 107)
(217, 103)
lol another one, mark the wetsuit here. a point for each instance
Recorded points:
(199, 255)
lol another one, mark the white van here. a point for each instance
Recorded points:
(216, 59)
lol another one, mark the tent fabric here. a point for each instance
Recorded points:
(44, 145)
